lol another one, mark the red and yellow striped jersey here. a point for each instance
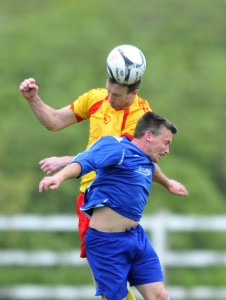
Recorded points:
(105, 120)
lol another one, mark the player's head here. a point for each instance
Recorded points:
(154, 135)
(153, 122)
(120, 95)
(130, 87)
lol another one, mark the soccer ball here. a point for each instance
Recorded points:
(126, 64)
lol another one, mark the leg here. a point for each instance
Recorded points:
(130, 295)
(146, 272)
(110, 267)
(83, 223)
(153, 291)
(104, 298)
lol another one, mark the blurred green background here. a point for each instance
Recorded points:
(64, 45)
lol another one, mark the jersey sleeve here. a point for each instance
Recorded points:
(107, 151)
(81, 106)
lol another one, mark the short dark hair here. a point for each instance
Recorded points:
(130, 87)
(153, 122)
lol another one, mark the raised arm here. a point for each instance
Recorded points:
(173, 186)
(52, 119)
(53, 182)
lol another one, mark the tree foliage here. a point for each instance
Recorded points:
(64, 45)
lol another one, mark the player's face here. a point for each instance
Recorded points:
(118, 96)
(159, 144)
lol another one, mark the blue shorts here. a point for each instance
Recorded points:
(118, 257)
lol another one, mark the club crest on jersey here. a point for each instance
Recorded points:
(107, 119)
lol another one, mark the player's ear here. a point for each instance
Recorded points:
(135, 92)
(149, 135)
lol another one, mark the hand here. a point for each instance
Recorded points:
(53, 164)
(176, 188)
(48, 183)
(29, 88)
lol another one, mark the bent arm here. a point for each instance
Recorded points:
(52, 119)
(53, 164)
(173, 186)
(54, 182)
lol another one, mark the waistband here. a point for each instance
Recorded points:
(133, 229)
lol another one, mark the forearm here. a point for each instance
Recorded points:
(52, 119)
(160, 177)
(53, 164)
(46, 115)
(70, 171)
(53, 182)
(173, 186)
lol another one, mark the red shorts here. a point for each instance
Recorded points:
(83, 223)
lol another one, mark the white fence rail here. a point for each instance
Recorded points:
(159, 226)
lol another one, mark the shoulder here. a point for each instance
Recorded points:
(108, 150)
(97, 94)
(141, 104)
(136, 110)
(94, 98)
(110, 141)
(108, 144)
(88, 101)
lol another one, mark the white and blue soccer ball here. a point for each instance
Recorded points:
(126, 64)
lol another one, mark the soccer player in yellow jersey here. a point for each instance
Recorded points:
(113, 110)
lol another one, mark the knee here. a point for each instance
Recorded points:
(161, 294)
(164, 295)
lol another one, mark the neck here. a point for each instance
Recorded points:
(140, 143)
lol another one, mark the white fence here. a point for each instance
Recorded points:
(159, 226)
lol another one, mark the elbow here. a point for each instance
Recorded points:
(52, 128)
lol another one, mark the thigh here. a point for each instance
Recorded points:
(146, 267)
(153, 291)
(83, 223)
(108, 259)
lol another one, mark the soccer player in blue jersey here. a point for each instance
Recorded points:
(118, 249)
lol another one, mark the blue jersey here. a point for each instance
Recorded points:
(123, 176)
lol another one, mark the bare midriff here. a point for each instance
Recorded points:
(107, 220)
